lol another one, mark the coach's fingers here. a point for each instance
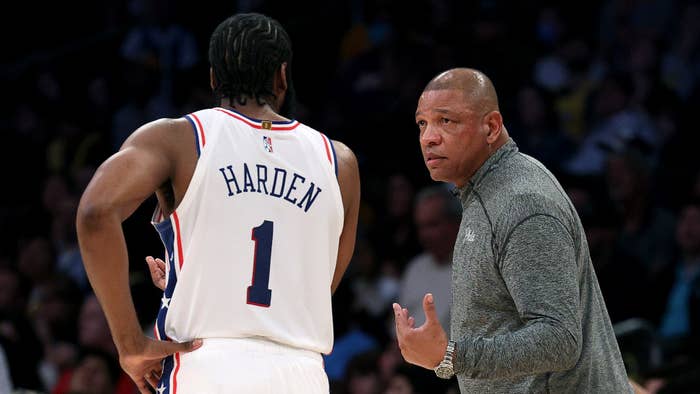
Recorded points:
(429, 309)
(400, 318)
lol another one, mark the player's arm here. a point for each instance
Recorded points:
(116, 190)
(349, 180)
(119, 186)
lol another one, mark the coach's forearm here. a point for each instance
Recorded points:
(104, 254)
(539, 347)
(539, 268)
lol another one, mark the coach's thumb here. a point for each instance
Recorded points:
(429, 308)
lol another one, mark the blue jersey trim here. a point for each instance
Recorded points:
(335, 159)
(196, 134)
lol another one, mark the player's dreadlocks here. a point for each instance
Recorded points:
(245, 50)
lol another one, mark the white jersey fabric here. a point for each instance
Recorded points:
(253, 366)
(252, 247)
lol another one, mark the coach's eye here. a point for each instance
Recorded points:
(421, 123)
(445, 121)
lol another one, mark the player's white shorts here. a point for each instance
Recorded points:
(226, 366)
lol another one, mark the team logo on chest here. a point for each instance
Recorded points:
(267, 143)
(469, 235)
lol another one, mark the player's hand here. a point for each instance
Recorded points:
(424, 346)
(141, 359)
(157, 268)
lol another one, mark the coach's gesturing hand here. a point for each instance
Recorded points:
(425, 345)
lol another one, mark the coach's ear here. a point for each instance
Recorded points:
(493, 124)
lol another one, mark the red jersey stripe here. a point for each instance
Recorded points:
(179, 239)
(177, 368)
(201, 130)
(328, 151)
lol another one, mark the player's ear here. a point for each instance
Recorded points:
(280, 80)
(212, 78)
(279, 86)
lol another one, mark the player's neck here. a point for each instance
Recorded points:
(253, 110)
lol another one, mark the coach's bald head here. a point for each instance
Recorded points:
(460, 124)
(478, 89)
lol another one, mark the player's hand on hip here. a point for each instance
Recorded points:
(425, 345)
(142, 358)
(157, 269)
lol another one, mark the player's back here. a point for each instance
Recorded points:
(251, 249)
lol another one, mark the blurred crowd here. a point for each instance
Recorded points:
(602, 92)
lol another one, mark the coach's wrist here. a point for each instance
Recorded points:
(458, 357)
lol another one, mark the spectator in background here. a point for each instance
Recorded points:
(51, 307)
(437, 214)
(375, 284)
(621, 280)
(362, 374)
(646, 229)
(65, 241)
(411, 379)
(36, 262)
(18, 338)
(94, 339)
(161, 44)
(393, 234)
(355, 331)
(614, 122)
(680, 322)
(96, 372)
(680, 64)
(54, 315)
(536, 128)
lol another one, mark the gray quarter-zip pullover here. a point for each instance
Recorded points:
(528, 315)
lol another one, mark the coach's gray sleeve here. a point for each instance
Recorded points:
(538, 265)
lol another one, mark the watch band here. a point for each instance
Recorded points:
(445, 369)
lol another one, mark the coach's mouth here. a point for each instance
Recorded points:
(432, 159)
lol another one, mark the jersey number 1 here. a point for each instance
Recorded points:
(258, 292)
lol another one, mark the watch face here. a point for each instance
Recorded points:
(443, 371)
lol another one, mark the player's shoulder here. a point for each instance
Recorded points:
(342, 149)
(345, 156)
(165, 126)
(161, 132)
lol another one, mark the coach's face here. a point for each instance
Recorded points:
(453, 136)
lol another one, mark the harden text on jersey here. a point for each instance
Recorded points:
(275, 182)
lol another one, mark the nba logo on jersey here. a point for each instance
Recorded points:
(267, 143)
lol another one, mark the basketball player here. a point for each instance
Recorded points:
(258, 215)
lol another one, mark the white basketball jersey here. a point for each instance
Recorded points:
(251, 249)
